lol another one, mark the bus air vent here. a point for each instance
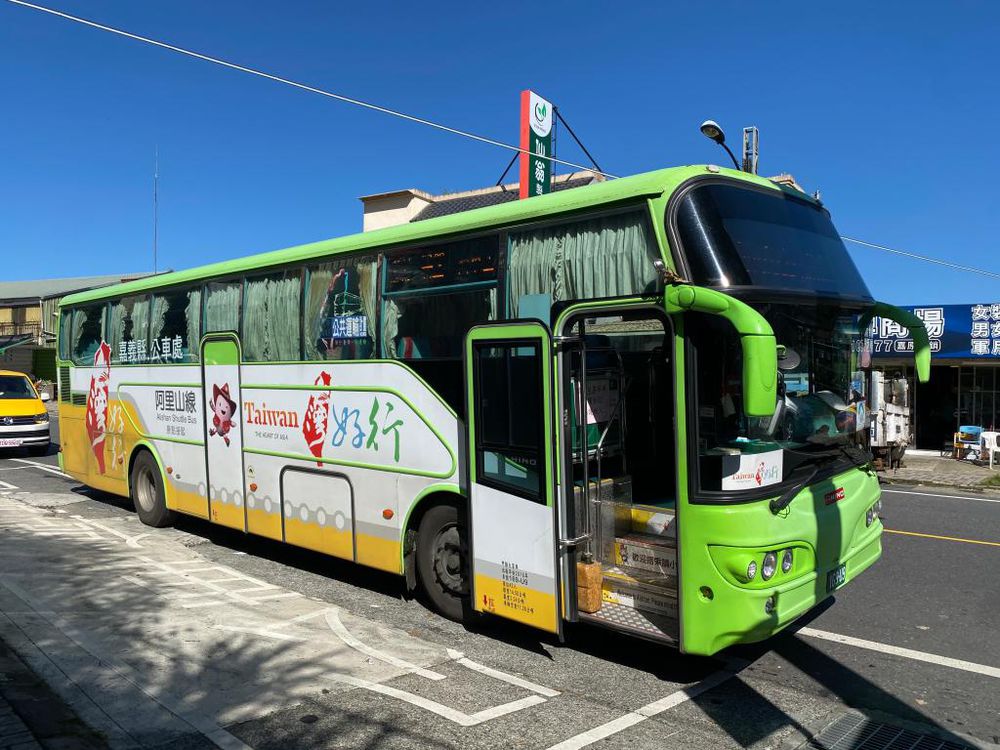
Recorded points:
(64, 384)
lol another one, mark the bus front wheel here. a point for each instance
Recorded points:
(441, 561)
(146, 486)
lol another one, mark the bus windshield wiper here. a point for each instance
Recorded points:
(852, 453)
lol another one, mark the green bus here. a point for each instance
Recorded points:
(640, 404)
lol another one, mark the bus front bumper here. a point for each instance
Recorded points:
(760, 614)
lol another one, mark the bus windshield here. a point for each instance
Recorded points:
(734, 236)
(821, 414)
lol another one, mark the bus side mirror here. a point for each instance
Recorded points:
(921, 341)
(760, 352)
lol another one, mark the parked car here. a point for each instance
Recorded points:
(23, 418)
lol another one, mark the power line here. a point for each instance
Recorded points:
(304, 87)
(916, 256)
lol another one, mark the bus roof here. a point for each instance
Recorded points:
(646, 185)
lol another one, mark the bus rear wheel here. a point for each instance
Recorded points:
(146, 484)
(441, 561)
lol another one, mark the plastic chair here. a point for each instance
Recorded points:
(989, 445)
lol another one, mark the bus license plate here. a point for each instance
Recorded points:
(836, 577)
(10, 442)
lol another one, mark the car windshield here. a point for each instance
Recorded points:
(15, 386)
(821, 414)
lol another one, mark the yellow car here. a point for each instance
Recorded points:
(23, 419)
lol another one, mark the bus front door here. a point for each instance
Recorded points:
(512, 500)
(220, 370)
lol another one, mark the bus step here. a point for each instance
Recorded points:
(653, 625)
(665, 584)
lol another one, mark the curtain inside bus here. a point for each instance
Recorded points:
(271, 318)
(222, 306)
(609, 256)
(129, 323)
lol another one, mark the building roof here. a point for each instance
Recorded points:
(11, 291)
(445, 205)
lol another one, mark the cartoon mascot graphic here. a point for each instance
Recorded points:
(97, 403)
(317, 418)
(225, 412)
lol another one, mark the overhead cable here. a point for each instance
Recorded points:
(303, 86)
(925, 258)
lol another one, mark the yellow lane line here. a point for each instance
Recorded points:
(946, 538)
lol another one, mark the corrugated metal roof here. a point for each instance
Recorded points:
(448, 206)
(44, 288)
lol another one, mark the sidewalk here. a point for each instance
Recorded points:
(32, 717)
(929, 469)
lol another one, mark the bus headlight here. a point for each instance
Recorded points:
(786, 561)
(768, 568)
(869, 516)
(751, 570)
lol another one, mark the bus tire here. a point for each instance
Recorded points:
(441, 562)
(146, 489)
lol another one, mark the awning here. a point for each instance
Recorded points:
(9, 342)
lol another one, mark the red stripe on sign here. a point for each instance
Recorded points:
(525, 160)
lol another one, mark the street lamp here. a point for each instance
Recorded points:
(711, 130)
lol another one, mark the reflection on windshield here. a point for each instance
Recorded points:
(822, 403)
(15, 386)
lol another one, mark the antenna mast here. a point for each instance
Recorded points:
(156, 202)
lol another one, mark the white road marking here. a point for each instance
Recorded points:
(333, 620)
(44, 467)
(950, 497)
(641, 714)
(454, 715)
(263, 632)
(496, 674)
(906, 653)
(7, 486)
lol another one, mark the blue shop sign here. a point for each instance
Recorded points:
(955, 332)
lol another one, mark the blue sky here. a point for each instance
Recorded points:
(891, 111)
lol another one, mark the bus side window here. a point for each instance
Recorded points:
(88, 332)
(175, 321)
(340, 309)
(128, 331)
(509, 418)
(222, 306)
(65, 333)
(271, 317)
(433, 294)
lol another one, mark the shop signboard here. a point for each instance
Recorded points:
(966, 332)
(536, 142)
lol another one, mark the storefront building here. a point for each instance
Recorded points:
(965, 368)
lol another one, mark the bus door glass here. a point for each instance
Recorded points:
(220, 357)
(512, 508)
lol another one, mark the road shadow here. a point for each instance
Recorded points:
(119, 650)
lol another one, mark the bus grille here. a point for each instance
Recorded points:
(64, 384)
(78, 399)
